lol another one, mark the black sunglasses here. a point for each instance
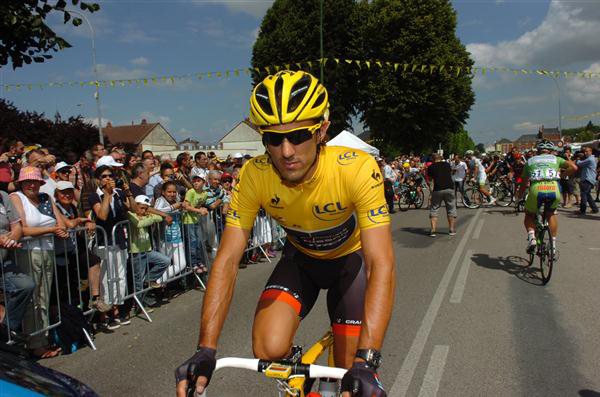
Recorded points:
(295, 136)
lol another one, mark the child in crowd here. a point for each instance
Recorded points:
(172, 243)
(195, 199)
(144, 257)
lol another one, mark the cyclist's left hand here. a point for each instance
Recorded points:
(362, 381)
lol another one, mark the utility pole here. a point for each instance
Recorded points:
(322, 60)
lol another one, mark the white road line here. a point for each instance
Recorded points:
(435, 370)
(461, 279)
(405, 375)
(477, 231)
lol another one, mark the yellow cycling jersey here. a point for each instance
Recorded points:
(322, 216)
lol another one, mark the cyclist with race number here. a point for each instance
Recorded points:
(543, 172)
(330, 200)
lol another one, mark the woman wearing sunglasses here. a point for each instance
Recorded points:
(330, 201)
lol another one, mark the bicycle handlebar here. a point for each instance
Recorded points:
(277, 369)
(254, 364)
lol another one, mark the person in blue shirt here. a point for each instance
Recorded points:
(588, 181)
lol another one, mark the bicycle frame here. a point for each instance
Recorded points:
(310, 357)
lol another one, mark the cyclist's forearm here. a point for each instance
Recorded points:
(221, 283)
(379, 300)
(217, 299)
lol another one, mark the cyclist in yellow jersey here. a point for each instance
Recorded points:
(331, 203)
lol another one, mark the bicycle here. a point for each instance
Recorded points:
(502, 193)
(545, 249)
(472, 197)
(295, 376)
(409, 194)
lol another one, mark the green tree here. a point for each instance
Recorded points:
(415, 111)
(459, 142)
(289, 33)
(480, 147)
(25, 37)
(585, 136)
(58, 135)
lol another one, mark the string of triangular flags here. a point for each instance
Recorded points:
(446, 70)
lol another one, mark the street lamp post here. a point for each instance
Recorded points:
(559, 112)
(322, 60)
(97, 83)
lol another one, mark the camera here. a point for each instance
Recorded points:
(119, 183)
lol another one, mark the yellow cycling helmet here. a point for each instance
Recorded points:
(288, 96)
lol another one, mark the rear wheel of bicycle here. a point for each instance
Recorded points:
(546, 254)
(419, 199)
(404, 201)
(472, 198)
(504, 197)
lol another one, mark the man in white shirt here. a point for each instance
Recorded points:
(478, 175)
(459, 172)
(389, 177)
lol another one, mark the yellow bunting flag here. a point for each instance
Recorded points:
(368, 64)
(396, 66)
(379, 63)
(337, 61)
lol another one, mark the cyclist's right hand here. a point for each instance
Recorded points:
(195, 372)
(361, 380)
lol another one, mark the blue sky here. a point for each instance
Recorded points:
(137, 39)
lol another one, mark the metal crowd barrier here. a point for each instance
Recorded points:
(117, 264)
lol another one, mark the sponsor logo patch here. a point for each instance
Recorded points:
(378, 215)
(347, 158)
(275, 202)
(262, 162)
(330, 211)
(233, 214)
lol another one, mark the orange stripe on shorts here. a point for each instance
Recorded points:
(345, 329)
(282, 296)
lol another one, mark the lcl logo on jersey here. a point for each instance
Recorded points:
(330, 211)
(378, 215)
(233, 214)
(262, 162)
(347, 158)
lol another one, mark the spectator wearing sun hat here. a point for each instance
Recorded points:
(38, 215)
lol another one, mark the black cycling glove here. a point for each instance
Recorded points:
(200, 364)
(362, 381)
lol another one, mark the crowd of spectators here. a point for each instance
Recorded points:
(64, 218)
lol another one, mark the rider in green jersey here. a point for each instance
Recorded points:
(543, 171)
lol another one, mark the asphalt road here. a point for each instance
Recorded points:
(469, 319)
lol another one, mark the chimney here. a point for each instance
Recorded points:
(109, 125)
(143, 121)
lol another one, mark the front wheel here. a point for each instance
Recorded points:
(419, 198)
(504, 197)
(472, 198)
(404, 201)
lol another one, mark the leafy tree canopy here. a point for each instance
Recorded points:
(24, 35)
(413, 110)
(409, 111)
(290, 33)
(582, 134)
(58, 135)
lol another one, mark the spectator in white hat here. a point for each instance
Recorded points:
(77, 260)
(237, 159)
(63, 173)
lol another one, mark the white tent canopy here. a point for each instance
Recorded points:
(348, 139)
